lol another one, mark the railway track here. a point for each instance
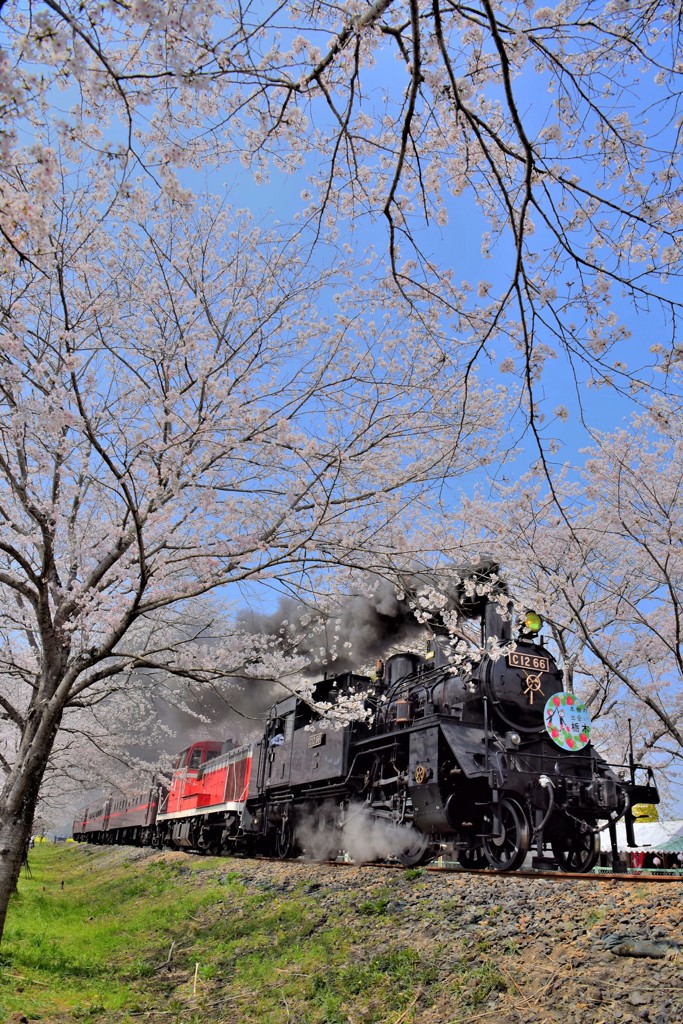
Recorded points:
(607, 876)
(599, 876)
(456, 869)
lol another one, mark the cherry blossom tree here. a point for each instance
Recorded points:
(191, 401)
(559, 125)
(187, 404)
(607, 574)
(123, 733)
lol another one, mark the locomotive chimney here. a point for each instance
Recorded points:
(494, 625)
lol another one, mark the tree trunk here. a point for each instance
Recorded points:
(18, 803)
(15, 832)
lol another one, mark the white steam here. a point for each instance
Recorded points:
(356, 832)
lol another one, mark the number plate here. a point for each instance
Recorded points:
(535, 662)
(317, 739)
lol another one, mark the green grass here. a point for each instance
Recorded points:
(80, 939)
(375, 907)
(94, 948)
(475, 984)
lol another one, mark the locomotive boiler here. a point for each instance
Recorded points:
(486, 763)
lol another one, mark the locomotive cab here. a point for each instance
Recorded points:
(192, 758)
(186, 782)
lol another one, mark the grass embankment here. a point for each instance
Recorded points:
(99, 935)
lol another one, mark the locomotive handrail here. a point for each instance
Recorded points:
(546, 783)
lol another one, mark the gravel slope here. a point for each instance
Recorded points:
(564, 951)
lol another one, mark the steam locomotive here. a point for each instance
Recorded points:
(485, 764)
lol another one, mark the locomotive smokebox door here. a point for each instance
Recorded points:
(519, 685)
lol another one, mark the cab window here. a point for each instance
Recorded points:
(195, 758)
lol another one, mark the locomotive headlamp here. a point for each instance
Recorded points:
(533, 623)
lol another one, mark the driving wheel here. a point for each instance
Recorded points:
(417, 850)
(507, 851)
(576, 852)
(473, 859)
(284, 842)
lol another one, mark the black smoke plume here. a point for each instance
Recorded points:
(364, 625)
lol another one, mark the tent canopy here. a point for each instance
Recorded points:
(666, 836)
(673, 845)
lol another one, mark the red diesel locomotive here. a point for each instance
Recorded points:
(208, 784)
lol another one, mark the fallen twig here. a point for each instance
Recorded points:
(33, 981)
(408, 1008)
(167, 962)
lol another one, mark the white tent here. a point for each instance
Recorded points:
(650, 835)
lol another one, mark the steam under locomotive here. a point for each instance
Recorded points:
(488, 763)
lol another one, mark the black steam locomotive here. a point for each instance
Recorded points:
(487, 764)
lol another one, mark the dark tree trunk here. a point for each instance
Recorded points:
(15, 832)
(19, 799)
